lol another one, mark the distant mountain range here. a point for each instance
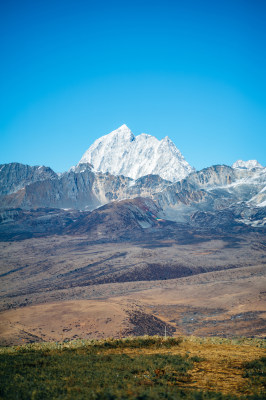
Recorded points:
(120, 166)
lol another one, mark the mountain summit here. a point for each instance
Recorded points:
(250, 164)
(122, 153)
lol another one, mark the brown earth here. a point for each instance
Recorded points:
(65, 287)
(62, 321)
(213, 304)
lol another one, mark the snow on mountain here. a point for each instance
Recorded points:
(259, 200)
(250, 164)
(122, 153)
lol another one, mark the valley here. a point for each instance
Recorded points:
(67, 287)
(133, 244)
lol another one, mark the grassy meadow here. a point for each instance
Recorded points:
(135, 368)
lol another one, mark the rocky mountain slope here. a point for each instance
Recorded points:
(138, 165)
(214, 188)
(15, 176)
(80, 188)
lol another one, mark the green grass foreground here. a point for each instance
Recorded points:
(103, 370)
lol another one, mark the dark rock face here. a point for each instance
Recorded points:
(15, 176)
(214, 220)
(124, 219)
(147, 324)
(17, 224)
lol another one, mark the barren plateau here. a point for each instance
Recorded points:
(68, 287)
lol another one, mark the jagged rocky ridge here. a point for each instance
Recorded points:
(220, 193)
(217, 195)
(15, 176)
(214, 188)
(80, 188)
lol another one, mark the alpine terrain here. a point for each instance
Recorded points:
(129, 241)
(121, 153)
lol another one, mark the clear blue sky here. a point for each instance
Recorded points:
(72, 71)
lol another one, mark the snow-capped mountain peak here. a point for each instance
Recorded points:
(122, 132)
(250, 164)
(122, 153)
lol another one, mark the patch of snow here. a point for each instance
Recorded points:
(255, 223)
(262, 204)
(82, 167)
(259, 199)
(132, 183)
(144, 224)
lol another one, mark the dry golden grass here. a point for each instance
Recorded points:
(222, 366)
